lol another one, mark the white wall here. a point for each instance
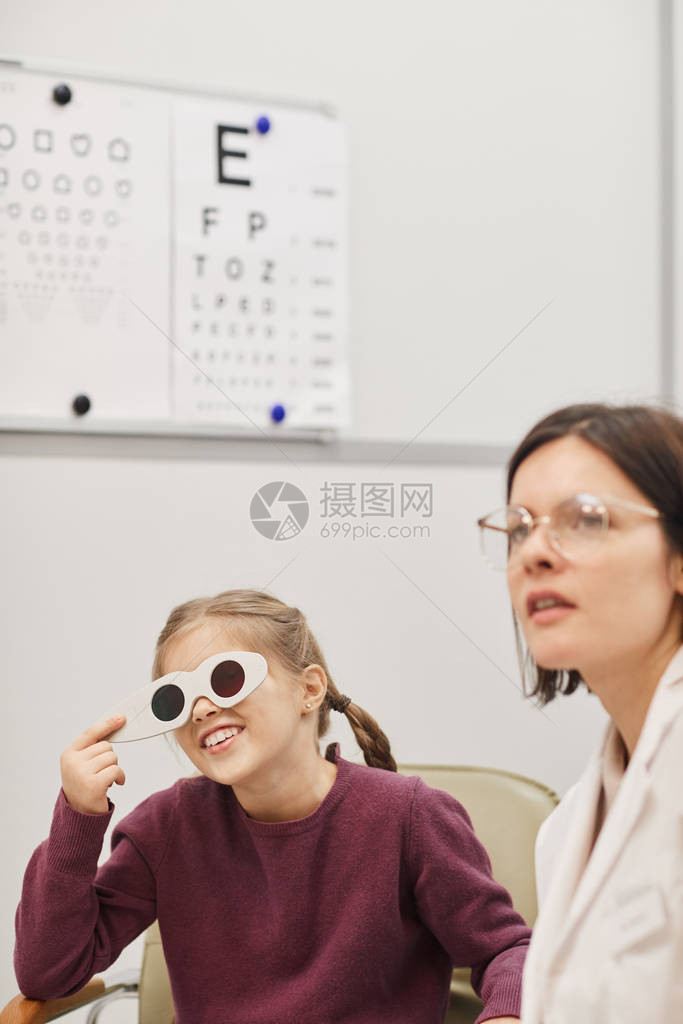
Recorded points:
(502, 155)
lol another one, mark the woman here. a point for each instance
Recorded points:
(592, 541)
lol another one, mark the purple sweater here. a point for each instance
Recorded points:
(353, 915)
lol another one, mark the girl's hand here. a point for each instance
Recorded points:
(90, 766)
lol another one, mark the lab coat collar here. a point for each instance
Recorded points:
(569, 899)
(666, 701)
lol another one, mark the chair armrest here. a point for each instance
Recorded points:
(465, 1004)
(36, 1011)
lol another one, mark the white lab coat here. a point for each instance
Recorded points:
(607, 947)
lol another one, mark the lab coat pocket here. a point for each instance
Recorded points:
(639, 943)
(640, 919)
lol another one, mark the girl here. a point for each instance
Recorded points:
(592, 540)
(289, 886)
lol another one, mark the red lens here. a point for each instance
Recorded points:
(227, 679)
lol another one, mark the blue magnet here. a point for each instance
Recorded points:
(263, 125)
(277, 413)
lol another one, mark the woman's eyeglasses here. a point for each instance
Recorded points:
(575, 528)
(167, 703)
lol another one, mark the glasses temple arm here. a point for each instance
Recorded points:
(488, 526)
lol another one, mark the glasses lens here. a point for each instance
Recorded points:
(168, 702)
(227, 679)
(579, 524)
(502, 533)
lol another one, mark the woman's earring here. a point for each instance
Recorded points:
(308, 706)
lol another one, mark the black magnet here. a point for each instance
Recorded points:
(61, 94)
(81, 405)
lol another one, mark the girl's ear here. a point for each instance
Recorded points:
(314, 686)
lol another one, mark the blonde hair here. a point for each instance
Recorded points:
(273, 628)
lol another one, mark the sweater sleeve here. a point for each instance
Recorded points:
(470, 914)
(74, 919)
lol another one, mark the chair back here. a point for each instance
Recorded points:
(156, 1003)
(507, 811)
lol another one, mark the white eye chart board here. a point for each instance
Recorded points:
(169, 261)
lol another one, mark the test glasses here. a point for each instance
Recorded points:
(167, 703)
(575, 528)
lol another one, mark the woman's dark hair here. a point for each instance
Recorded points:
(646, 443)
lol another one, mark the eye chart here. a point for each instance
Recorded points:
(84, 227)
(169, 261)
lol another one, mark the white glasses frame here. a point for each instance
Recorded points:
(141, 722)
(599, 503)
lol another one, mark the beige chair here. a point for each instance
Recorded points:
(506, 811)
(149, 986)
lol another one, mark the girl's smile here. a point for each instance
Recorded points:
(220, 737)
